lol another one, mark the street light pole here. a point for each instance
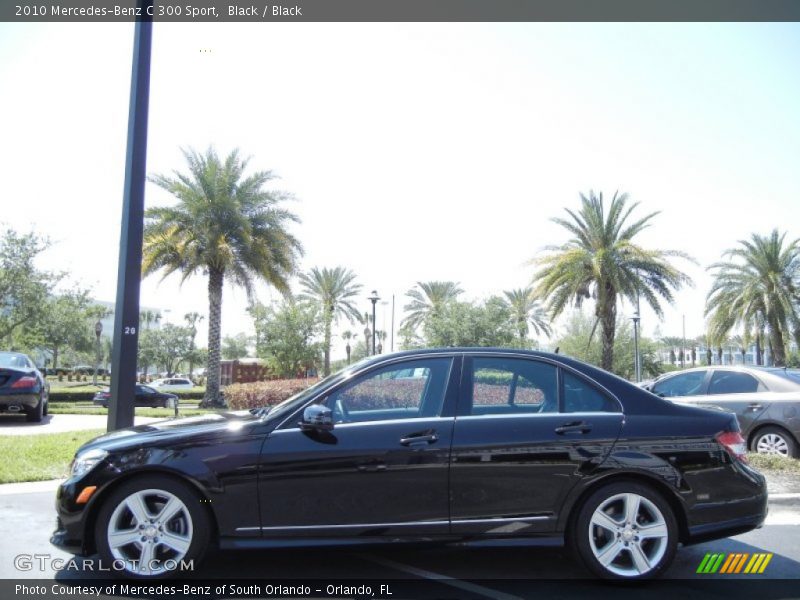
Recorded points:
(374, 299)
(637, 365)
(98, 330)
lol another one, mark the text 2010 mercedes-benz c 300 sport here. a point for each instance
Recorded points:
(433, 445)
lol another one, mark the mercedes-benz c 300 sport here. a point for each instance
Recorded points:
(434, 445)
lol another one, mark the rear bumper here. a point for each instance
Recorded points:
(26, 401)
(743, 508)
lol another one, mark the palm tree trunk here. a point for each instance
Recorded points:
(777, 348)
(326, 369)
(758, 350)
(215, 279)
(607, 312)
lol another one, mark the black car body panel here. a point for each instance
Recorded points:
(145, 396)
(451, 472)
(17, 369)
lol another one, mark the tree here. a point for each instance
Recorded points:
(525, 312)
(757, 289)
(235, 347)
(63, 323)
(24, 289)
(226, 226)
(289, 332)
(427, 298)
(470, 324)
(333, 290)
(579, 342)
(165, 347)
(602, 262)
(146, 320)
(192, 319)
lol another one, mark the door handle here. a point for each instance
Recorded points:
(574, 427)
(417, 439)
(754, 406)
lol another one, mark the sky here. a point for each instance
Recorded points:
(414, 152)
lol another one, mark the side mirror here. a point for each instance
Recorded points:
(317, 418)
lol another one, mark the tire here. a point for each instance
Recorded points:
(45, 410)
(187, 528)
(612, 545)
(776, 441)
(35, 415)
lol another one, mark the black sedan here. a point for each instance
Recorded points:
(23, 389)
(450, 445)
(145, 396)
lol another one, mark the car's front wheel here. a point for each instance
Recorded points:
(776, 441)
(151, 527)
(625, 531)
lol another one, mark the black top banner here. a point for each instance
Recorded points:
(398, 10)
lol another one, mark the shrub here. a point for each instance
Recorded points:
(240, 396)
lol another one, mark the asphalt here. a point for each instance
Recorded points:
(17, 425)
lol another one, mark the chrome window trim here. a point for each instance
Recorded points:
(361, 423)
(539, 415)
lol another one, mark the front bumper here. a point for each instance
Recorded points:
(72, 532)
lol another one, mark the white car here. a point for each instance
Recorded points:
(172, 383)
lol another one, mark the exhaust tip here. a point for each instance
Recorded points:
(14, 408)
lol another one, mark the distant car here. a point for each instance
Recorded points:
(23, 388)
(172, 383)
(145, 396)
(766, 400)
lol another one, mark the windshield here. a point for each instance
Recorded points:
(8, 359)
(288, 404)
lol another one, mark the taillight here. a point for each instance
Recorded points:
(24, 383)
(734, 443)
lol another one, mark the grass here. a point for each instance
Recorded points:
(774, 464)
(76, 409)
(40, 457)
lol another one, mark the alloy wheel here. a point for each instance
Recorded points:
(772, 443)
(149, 530)
(628, 535)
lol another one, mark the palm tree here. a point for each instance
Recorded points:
(602, 262)
(333, 290)
(347, 336)
(225, 226)
(525, 311)
(757, 289)
(192, 319)
(147, 318)
(427, 298)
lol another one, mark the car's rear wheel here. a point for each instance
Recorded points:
(35, 414)
(776, 441)
(625, 531)
(149, 525)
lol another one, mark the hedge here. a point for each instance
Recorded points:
(241, 396)
(80, 396)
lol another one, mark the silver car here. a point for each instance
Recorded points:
(766, 400)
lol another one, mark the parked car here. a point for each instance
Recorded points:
(766, 400)
(443, 445)
(23, 388)
(172, 383)
(145, 396)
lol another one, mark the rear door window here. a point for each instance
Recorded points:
(732, 382)
(685, 384)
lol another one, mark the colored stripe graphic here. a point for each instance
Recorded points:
(734, 562)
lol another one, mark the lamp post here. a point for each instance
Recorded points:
(98, 330)
(374, 299)
(637, 363)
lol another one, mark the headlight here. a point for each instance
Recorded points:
(86, 461)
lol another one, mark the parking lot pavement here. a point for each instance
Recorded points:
(17, 425)
(494, 572)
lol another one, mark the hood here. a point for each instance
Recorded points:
(169, 430)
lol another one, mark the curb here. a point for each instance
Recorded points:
(791, 499)
(29, 487)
